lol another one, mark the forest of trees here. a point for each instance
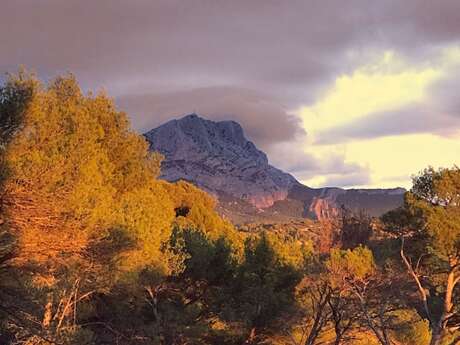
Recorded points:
(95, 249)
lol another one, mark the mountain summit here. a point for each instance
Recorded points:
(217, 157)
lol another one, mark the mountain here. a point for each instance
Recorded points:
(217, 157)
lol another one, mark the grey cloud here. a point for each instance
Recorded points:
(305, 166)
(339, 173)
(444, 93)
(408, 120)
(356, 179)
(163, 58)
(171, 42)
(264, 121)
(290, 48)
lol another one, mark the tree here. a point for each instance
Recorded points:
(344, 315)
(325, 303)
(264, 284)
(412, 330)
(74, 178)
(354, 271)
(90, 223)
(355, 228)
(313, 294)
(430, 218)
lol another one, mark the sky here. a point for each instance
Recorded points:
(357, 93)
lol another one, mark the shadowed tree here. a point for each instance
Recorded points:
(430, 220)
(354, 271)
(265, 281)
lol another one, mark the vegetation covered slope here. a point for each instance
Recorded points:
(94, 249)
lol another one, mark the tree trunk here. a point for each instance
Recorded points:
(437, 336)
(338, 338)
(440, 327)
(384, 328)
(153, 294)
(319, 321)
(381, 337)
(421, 290)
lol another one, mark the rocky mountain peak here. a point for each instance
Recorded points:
(219, 158)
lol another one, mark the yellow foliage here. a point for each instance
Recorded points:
(413, 329)
(351, 265)
(290, 252)
(201, 214)
(75, 170)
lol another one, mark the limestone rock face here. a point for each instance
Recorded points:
(217, 157)
(323, 208)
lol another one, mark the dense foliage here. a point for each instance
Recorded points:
(94, 249)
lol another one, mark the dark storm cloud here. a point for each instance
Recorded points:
(168, 57)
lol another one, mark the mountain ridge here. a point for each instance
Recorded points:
(217, 157)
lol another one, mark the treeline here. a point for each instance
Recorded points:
(94, 249)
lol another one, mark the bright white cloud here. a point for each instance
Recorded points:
(384, 85)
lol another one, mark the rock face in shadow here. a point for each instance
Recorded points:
(217, 157)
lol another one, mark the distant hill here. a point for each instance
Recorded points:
(217, 157)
